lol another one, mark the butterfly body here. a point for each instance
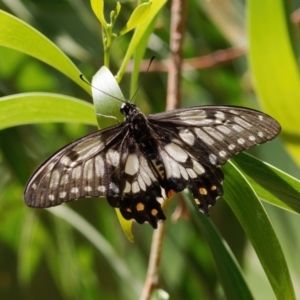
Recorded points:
(141, 161)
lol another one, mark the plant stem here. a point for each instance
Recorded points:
(178, 18)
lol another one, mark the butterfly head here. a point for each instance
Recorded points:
(129, 110)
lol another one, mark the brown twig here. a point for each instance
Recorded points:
(195, 63)
(295, 17)
(152, 279)
(178, 18)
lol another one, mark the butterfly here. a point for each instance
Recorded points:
(145, 159)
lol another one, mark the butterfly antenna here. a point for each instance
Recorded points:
(140, 84)
(85, 81)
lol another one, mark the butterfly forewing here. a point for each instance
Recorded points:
(81, 169)
(138, 163)
(217, 133)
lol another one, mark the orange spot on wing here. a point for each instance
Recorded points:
(203, 191)
(140, 206)
(154, 212)
(171, 194)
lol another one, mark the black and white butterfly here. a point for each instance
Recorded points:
(139, 162)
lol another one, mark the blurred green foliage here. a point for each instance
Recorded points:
(79, 251)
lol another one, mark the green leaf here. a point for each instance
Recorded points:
(138, 35)
(275, 67)
(271, 184)
(138, 57)
(30, 253)
(18, 35)
(252, 216)
(229, 273)
(29, 108)
(98, 6)
(107, 96)
(117, 262)
(139, 15)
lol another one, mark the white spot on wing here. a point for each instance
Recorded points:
(50, 167)
(74, 190)
(64, 179)
(99, 166)
(191, 173)
(176, 152)
(127, 187)
(88, 170)
(54, 179)
(113, 157)
(222, 153)
(132, 164)
(114, 187)
(88, 188)
(88, 148)
(216, 135)
(171, 166)
(242, 122)
(66, 161)
(145, 171)
(183, 172)
(260, 134)
(198, 168)
(102, 188)
(212, 159)
(241, 141)
(51, 197)
(141, 183)
(204, 136)
(234, 112)
(76, 172)
(224, 129)
(62, 195)
(135, 187)
(220, 115)
(237, 128)
(187, 136)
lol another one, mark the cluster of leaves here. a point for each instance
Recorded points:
(48, 241)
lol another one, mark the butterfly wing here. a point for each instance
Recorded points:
(105, 163)
(196, 141)
(81, 169)
(137, 163)
(223, 131)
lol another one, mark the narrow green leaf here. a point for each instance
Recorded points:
(252, 216)
(98, 6)
(139, 15)
(271, 184)
(29, 252)
(138, 35)
(18, 35)
(117, 262)
(275, 67)
(138, 57)
(229, 273)
(29, 108)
